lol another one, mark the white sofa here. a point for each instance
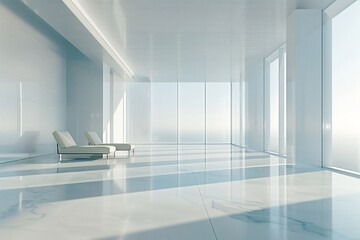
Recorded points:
(67, 145)
(94, 140)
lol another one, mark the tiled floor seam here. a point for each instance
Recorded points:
(207, 212)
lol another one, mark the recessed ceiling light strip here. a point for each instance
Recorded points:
(74, 3)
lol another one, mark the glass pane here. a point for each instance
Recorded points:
(191, 112)
(346, 89)
(284, 108)
(218, 112)
(235, 88)
(138, 99)
(274, 106)
(244, 112)
(118, 112)
(164, 112)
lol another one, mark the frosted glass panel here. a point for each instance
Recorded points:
(346, 89)
(191, 112)
(235, 88)
(138, 112)
(274, 106)
(118, 114)
(218, 112)
(164, 112)
(282, 149)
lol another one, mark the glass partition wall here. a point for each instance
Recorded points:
(341, 139)
(164, 100)
(218, 112)
(191, 128)
(275, 102)
(178, 112)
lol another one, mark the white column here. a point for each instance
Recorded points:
(304, 87)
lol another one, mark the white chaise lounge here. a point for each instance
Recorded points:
(94, 139)
(67, 145)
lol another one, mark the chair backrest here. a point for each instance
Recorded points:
(64, 139)
(92, 138)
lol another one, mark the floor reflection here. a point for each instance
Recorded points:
(177, 192)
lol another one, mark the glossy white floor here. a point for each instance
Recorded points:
(176, 192)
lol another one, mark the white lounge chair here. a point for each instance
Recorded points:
(94, 139)
(67, 145)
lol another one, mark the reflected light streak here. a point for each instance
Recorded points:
(20, 201)
(122, 173)
(20, 109)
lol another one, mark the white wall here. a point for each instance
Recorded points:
(254, 135)
(84, 97)
(32, 84)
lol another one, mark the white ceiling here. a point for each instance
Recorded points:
(190, 40)
(187, 40)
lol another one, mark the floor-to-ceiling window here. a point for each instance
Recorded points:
(164, 112)
(179, 112)
(218, 112)
(236, 110)
(138, 112)
(191, 128)
(275, 102)
(342, 86)
(273, 106)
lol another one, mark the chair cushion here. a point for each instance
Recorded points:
(88, 149)
(119, 146)
(122, 146)
(93, 138)
(64, 139)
